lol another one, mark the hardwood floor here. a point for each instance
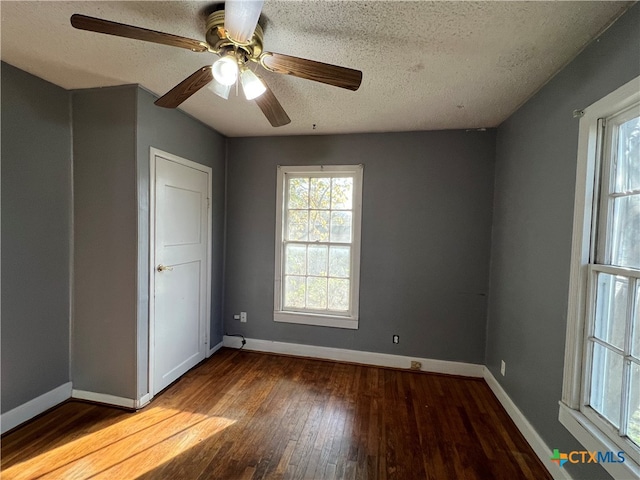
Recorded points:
(246, 415)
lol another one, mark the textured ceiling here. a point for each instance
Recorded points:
(426, 65)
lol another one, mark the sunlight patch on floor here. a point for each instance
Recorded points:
(127, 449)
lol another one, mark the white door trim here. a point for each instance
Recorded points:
(153, 153)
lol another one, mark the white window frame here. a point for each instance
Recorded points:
(349, 319)
(572, 414)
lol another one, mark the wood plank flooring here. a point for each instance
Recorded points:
(247, 415)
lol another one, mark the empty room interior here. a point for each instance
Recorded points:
(320, 239)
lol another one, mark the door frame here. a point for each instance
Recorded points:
(153, 153)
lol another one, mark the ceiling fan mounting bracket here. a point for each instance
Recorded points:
(219, 41)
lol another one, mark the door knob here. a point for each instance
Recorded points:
(162, 268)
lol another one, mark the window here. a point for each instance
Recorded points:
(318, 245)
(611, 389)
(601, 391)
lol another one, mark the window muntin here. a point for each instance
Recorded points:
(317, 245)
(612, 364)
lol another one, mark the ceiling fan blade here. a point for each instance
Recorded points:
(241, 18)
(92, 24)
(311, 70)
(272, 109)
(185, 88)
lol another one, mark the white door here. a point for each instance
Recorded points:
(179, 307)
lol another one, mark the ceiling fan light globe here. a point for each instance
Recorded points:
(219, 89)
(225, 71)
(252, 86)
(241, 18)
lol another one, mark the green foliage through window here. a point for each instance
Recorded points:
(317, 243)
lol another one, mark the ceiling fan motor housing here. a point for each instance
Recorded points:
(220, 42)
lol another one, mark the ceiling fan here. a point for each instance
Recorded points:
(236, 37)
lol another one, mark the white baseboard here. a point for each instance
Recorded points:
(105, 398)
(538, 445)
(215, 348)
(32, 408)
(143, 400)
(357, 356)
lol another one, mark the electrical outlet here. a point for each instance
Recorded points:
(236, 316)
(243, 317)
(396, 339)
(503, 367)
(416, 365)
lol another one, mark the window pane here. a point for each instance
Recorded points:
(295, 259)
(635, 343)
(606, 383)
(611, 309)
(342, 194)
(317, 293)
(341, 227)
(625, 234)
(338, 294)
(633, 425)
(298, 225)
(339, 261)
(320, 197)
(319, 225)
(298, 193)
(317, 260)
(294, 292)
(627, 170)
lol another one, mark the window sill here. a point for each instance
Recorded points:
(318, 320)
(593, 440)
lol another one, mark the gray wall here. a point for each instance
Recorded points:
(533, 214)
(425, 239)
(179, 134)
(105, 248)
(114, 129)
(36, 231)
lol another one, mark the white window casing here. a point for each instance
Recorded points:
(346, 314)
